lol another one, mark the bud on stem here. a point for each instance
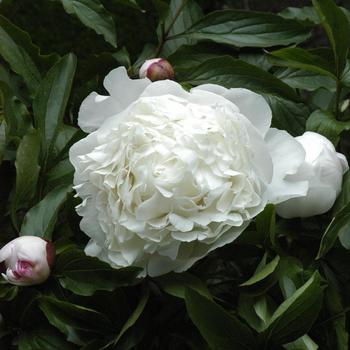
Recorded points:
(156, 69)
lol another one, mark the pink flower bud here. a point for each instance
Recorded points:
(156, 69)
(27, 260)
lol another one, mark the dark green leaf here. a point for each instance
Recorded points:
(256, 59)
(247, 29)
(344, 196)
(2, 139)
(288, 115)
(17, 50)
(40, 339)
(221, 330)
(303, 343)
(262, 272)
(337, 28)
(181, 16)
(265, 223)
(61, 173)
(306, 13)
(295, 57)
(134, 316)
(230, 72)
(50, 102)
(66, 317)
(27, 170)
(123, 58)
(300, 79)
(14, 113)
(84, 275)
(295, 316)
(176, 284)
(256, 310)
(7, 291)
(41, 219)
(93, 15)
(325, 123)
(65, 138)
(336, 310)
(188, 57)
(339, 227)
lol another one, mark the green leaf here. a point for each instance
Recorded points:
(256, 310)
(181, 16)
(339, 226)
(27, 170)
(84, 275)
(43, 338)
(7, 291)
(221, 330)
(2, 139)
(93, 15)
(306, 13)
(300, 79)
(288, 115)
(230, 73)
(134, 316)
(295, 316)
(337, 28)
(188, 57)
(295, 57)
(14, 113)
(247, 29)
(256, 59)
(51, 100)
(16, 48)
(303, 343)
(176, 284)
(344, 196)
(41, 219)
(325, 123)
(61, 173)
(336, 309)
(265, 224)
(262, 272)
(68, 317)
(66, 136)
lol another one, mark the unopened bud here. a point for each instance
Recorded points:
(27, 260)
(156, 69)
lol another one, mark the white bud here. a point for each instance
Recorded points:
(156, 69)
(323, 169)
(27, 260)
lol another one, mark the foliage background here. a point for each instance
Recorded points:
(284, 284)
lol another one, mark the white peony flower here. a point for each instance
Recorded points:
(27, 260)
(166, 176)
(323, 169)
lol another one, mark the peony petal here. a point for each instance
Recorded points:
(124, 89)
(165, 87)
(287, 157)
(319, 200)
(251, 105)
(95, 109)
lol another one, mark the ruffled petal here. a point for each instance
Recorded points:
(287, 157)
(96, 108)
(251, 105)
